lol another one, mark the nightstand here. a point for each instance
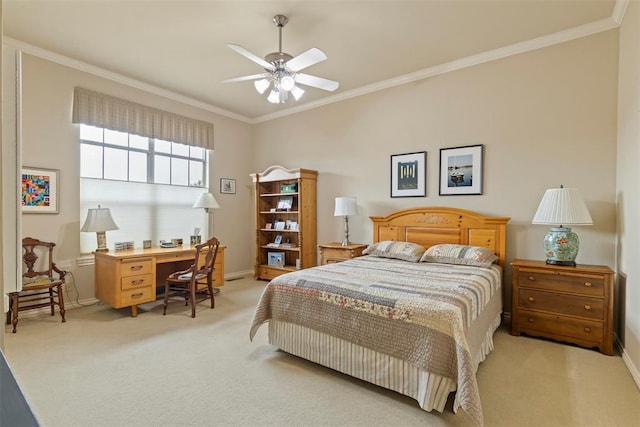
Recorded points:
(335, 252)
(570, 304)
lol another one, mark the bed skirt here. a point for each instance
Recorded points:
(428, 389)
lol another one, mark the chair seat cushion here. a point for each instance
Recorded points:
(37, 280)
(187, 276)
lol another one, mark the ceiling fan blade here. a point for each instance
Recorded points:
(245, 78)
(306, 59)
(255, 58)
(319, 82)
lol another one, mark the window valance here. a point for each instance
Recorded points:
(97, 109)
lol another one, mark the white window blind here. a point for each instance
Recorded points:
(142, 211)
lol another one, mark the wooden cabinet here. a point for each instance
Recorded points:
(571, 304)
(128, 278)
(335, 252)
(285, 201)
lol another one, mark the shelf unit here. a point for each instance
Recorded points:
(284, 197)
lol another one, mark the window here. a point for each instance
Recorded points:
(120, 156)
(149, 185)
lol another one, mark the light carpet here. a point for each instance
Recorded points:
(104, 368)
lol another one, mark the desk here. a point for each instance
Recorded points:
(128, 278)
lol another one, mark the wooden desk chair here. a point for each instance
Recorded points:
(194, 284)
(40, 288)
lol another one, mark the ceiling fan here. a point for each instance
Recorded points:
(282, 71)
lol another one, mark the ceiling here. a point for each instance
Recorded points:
(181, 46)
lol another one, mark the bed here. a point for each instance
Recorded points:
(390, 318)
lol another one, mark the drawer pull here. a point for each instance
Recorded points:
(530, 319)
(137, 282)
(587, 329)
(532, 299)
(532, 278)
(139, 295)
(587, 284)
(587, 307)
(135, 267)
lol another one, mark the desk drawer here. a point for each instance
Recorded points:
(172, 257)
(134, 282)
(137, 296)
(136, 266)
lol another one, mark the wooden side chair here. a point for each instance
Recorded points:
(194, 284)
(40, 288)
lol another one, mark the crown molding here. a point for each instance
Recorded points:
(119, 78)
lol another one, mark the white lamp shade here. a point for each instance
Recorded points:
(207, 201)
(261, 85)
(99, 220)
(297, 92)
(562, 206)
(346, 206)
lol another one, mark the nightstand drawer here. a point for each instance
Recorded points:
(584, 284)
(563, 304)
(133, 282)
(553, 326)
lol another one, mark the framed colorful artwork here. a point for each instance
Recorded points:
(461, 170)
(409, 174)
(39, 190)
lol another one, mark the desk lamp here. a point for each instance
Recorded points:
(209, 203)
(100, 221)
(562, 206)
(346, 206)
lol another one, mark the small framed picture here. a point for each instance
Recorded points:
(461, 170)
(268, 226)
(39, 190)
(409, 174)
(275, 259)
(227, 186)
(285, 203)
(278, 239)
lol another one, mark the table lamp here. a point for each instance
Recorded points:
(562, 206)
(346, 206)
(209, 203)
(100, 221)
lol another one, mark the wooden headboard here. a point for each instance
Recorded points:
(430, 226)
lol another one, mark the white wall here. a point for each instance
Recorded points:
(547, 117)
(628, 188)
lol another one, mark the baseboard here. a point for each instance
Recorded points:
(633, 369)
(237, 275)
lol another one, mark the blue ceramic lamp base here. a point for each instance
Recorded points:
(561, 246)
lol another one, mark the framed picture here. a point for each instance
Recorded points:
(285, 203)
(227, 186)
(461, 170)
(275, 259)
(39, 190)
(409, 174)
(278, 239)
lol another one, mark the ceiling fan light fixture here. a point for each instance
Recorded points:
(274, 97)
(297, 92)
(261, 85)
(287, 83)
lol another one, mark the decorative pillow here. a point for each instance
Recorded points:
(460, 254)
(399, 250)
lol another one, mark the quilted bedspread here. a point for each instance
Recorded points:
(418, 312)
